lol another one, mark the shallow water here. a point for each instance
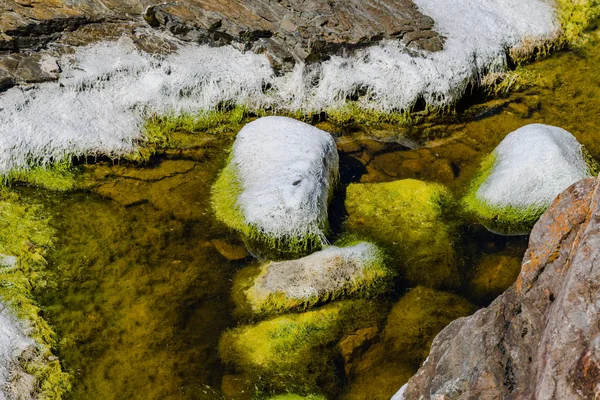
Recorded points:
(143, 294)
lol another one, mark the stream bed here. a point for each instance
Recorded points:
(144, 271)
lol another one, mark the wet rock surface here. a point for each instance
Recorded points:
(539, 339)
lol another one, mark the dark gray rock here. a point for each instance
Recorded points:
(541, 338)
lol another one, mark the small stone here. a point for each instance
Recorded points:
(230, 251)
(236, 387)
(355, 344)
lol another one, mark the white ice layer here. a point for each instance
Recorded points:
(400, 393)
(286, 169)
(13, 341)
(107, 89)
(534, 164)
(318, 274)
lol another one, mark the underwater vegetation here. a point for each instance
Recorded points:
(412, 220)
(26, 237)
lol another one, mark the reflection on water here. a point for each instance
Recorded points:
(143, 293)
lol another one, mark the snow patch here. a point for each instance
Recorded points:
(534, 164)
(287, 170)
(317, 275)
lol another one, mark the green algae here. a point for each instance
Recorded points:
(411, 326)
(412, 220)
(61, 176)
(27, 235)
(296, 352)
(576, 17)
(141, 294)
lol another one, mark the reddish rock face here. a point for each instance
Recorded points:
(541, 338)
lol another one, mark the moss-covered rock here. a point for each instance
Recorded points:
(417, 318)
(523, 175)
(410, 218)
(411, 326)
(357, 270)
(276, 187)
(26, 235)
(380, 381)
(493, 274)
(297, 352)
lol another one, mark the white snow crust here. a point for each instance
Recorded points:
(107, 89)
(13, 341)
(286, 169)
(318, 274)
(534, 164)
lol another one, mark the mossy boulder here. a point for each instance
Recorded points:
(519, 180)
(297, 352)
(493, 274)
(357, 270)
(380, 381)
(411, 326)
(411, 219)
(277, 185)
(417, 318)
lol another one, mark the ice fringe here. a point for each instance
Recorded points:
(321, 276)
(107, 89)
(13, 342)
(533, 165)
(287, 170)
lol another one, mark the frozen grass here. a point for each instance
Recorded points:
(524, 174)
(107, 90)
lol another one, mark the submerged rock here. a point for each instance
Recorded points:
(540, 338)
(355, 270)
(297, 351)
(520, 178)
(410, 328)
(408, 217)
(493, 274)
(277, 185)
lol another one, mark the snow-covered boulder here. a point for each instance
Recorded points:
(276, 187)
(355, 270)
(524, 174)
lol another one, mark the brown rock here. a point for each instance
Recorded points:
(236, 387)
(355, 344)
(540, 339)
(306, 30)
(230, 251)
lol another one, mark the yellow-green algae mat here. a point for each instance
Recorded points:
(26, 234)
